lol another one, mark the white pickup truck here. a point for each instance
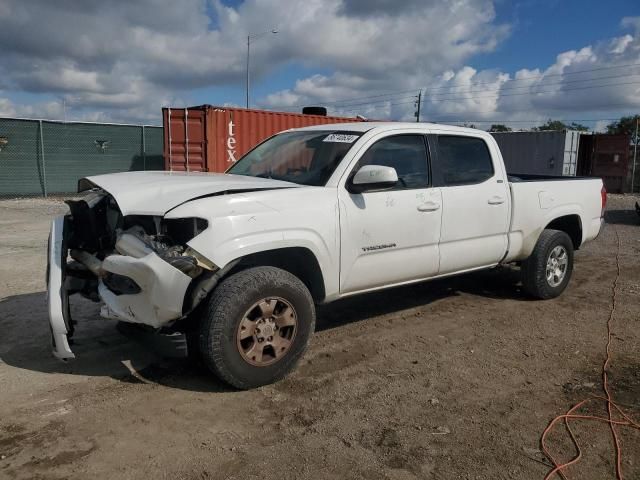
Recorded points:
(239, 260)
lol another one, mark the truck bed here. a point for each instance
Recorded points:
(527, 177)
(538, 199)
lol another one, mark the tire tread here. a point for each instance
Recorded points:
(534, 281)
(219, 307)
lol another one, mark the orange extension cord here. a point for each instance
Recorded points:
(611, 405)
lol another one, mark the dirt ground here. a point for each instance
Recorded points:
(451, 379)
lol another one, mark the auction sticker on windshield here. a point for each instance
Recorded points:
(340, 138)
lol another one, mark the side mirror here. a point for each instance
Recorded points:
(373, 177)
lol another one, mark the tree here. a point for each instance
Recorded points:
(559, 125)
(498, 127)
(551, 125)
(625, 126)
(579, 127)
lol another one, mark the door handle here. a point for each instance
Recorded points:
(428, 207)
(496, 200)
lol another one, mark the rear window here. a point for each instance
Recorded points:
(464, 160)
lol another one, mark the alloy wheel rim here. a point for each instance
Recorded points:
(557, 264)
(266, 332)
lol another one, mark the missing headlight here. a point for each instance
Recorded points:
(181, 230)
(93, 221)
(187, 265)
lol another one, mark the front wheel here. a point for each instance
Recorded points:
(546, 273)
(256, 326)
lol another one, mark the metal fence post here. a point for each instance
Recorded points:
(170, 141)
(635, 152)
(186, 139)
(44, 164)
(144, 151)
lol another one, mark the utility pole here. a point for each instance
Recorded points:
(248, 49)
(249, 38)
(418, 104)
(635, 154)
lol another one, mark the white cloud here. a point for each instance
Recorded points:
(120, 60)
(631, 22)
(44, 110)
(120, 57)
(601, 126)
(7, 108)
(600, 79)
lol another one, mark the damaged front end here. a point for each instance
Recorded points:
(139, 266)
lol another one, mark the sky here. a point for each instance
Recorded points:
(475, 61)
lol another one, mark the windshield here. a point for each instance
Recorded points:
(304, 157)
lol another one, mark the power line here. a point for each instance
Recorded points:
(543, 75)
(375, 102)
(458, 97)
(499, 88)
(461, 95)
(397, 92)
(529, 78)
(599, 107)
(552, 91)
(455, 96)
(521, 121)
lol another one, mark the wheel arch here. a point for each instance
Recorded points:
(569, 224)
(299, 261)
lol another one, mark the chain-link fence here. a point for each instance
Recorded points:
(634, 171)
(43, 158)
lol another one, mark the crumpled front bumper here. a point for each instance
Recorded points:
(57, 296)
(162, 290)
(159, 301)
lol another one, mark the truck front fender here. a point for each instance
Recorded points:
(224, 251)
(244, 224)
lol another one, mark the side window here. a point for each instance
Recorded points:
(406, 153)
(464, 160)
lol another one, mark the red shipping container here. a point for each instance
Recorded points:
(210, 139)
(606, 156)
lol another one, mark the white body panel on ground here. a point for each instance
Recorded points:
(55, 303)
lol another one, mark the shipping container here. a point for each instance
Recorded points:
(606, 156)
(210, 139)
(540, 153)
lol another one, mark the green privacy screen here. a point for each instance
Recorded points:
(39, 158)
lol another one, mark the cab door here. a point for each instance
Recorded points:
(390, 236)
(476, 200)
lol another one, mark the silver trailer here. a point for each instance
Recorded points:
(540, 153)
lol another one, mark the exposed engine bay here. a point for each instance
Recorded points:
(133, 243)
(139, 266)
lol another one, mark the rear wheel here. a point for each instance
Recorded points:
(546, 273)
(256, 327)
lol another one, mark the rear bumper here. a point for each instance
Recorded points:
(597, 226)
(57, 295)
